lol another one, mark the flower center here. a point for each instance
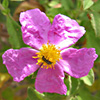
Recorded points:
(48, 56)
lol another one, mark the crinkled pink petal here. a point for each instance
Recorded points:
(64, 31)
(35, 26)
(50, 80)
(20, 63)
(78, 63)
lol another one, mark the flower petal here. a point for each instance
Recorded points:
(65, 31)
(50, 80)
(35, 26)
(78, 63)
(20, 62)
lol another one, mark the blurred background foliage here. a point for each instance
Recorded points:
(85, 12)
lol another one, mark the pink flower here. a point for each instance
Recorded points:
(51, 54)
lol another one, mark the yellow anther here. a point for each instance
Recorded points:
(48, 56)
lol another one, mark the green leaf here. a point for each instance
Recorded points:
(34, 95)
(67, 4)
(5, 11)
(87, 4)
(72, 85)
(5, 3)
(96, 6)
(95, 21)
(53, 3)
(52, 12)
(4, 6)
(67, 82)
(92, 40)
(2, 67)
(75, 85)
(89, 79)
(15, 34)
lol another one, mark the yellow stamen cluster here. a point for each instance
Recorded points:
(48, 56)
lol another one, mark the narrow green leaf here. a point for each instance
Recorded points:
(5, 3)
(87, 4)
(15, 34)
(4, 7)
(95, 21)
(70, 84)
(2, 66)
(92, 40)
(34, 95)
(67, 83)
(89, 79)
(5, 11)
(53, 3)
(75, 85)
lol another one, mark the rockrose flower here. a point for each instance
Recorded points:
(49, 53)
